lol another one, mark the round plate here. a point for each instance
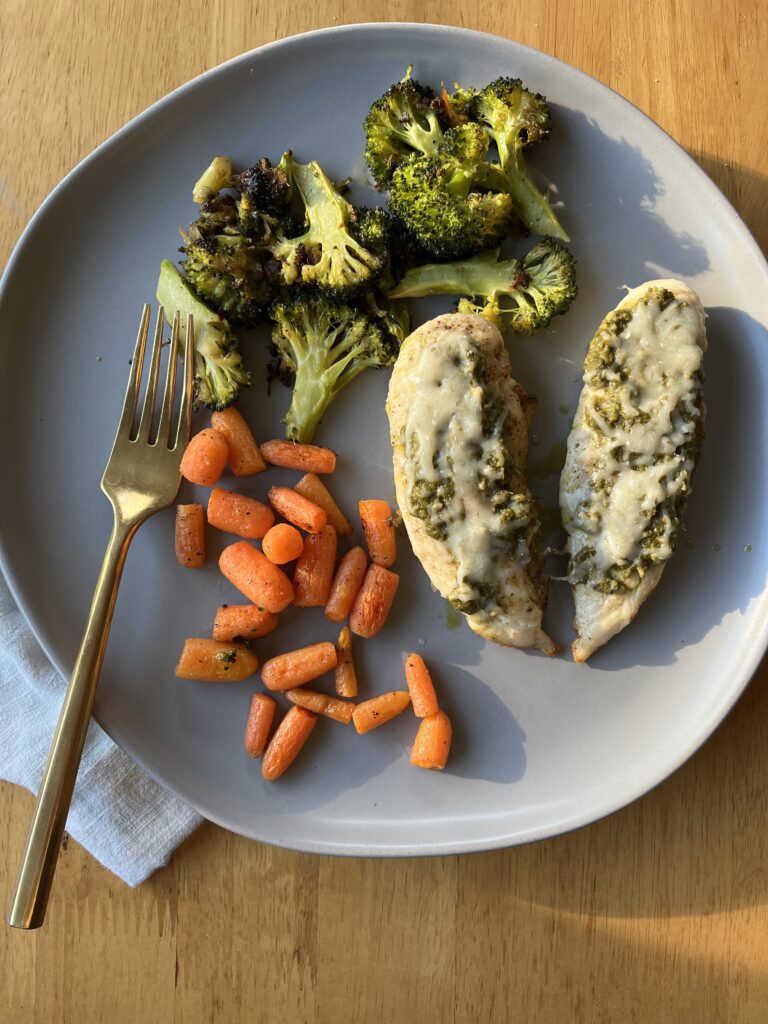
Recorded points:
(541, 745)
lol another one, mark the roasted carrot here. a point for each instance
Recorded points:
(313, 488)
(322, 704)
(290, 736)
(282, 543)
(242, 622)
(373, 602)
(297, 510)
(259, 723)
(235, 513)
(190, 536)
(433, 741)
(243, 453)
(346, 584)
(295, 668)
(205, 457)
(305, 457)
(378, 710)
(346, 677)
(313, 574)
(376, 517)
(215, 662)
(255, 576)
(420, 686)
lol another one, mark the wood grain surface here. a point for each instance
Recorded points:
(657, 914)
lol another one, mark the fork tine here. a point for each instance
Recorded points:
(185, 412)
(134, 377)
(145, 424)
(164, 428)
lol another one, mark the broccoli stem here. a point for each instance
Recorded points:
(424, 140)
(219, 371)
(480, 275)
(535, 210)
(216, 176)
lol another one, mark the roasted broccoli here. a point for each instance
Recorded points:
(455, 204)
(227, 261)
(342, 251)
(404, 121)
(525, 293)
(319, 346)
(219, 370)
(265, 188)
(516, 119)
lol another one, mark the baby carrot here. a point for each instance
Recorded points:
(346, 677)
(190, 536)
(205, 457)
(378, 710)
(321, 704)
(243, 453)
(346, 584)
(258, 724)
(282, 543)
(420, 686)
(255, 576)
(314, 569)
(215, 662)
(235, 513)
(306, 457)
(433, 741)
(290, 736)
(313, 488)
(295, 668)
(376, 517)
(242, 622)
(373, 602)
(297, 509)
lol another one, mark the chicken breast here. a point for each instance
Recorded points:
(631, 454)
(459, 429)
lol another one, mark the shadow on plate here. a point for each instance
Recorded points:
(623, 188)
(489, 744)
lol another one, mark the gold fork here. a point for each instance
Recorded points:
(142, 477)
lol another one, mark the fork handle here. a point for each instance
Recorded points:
(33, 885)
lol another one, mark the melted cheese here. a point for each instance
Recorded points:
(635, 429)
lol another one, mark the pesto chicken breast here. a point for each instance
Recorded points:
(631, 454)
(459, 429)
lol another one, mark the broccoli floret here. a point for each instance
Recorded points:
(525, 293)
(404, 121)
(229, 266)
(219, 371)
(319, 346)
(517, 118)
(467, 143)
(451, 208)
(264, 188)
(216, 176)
(340, 251)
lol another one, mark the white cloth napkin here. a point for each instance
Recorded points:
(125, 819)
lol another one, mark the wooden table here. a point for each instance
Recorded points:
(658, 914)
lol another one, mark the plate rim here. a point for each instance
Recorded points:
(754, 646)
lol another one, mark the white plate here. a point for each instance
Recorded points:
(541, 745)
